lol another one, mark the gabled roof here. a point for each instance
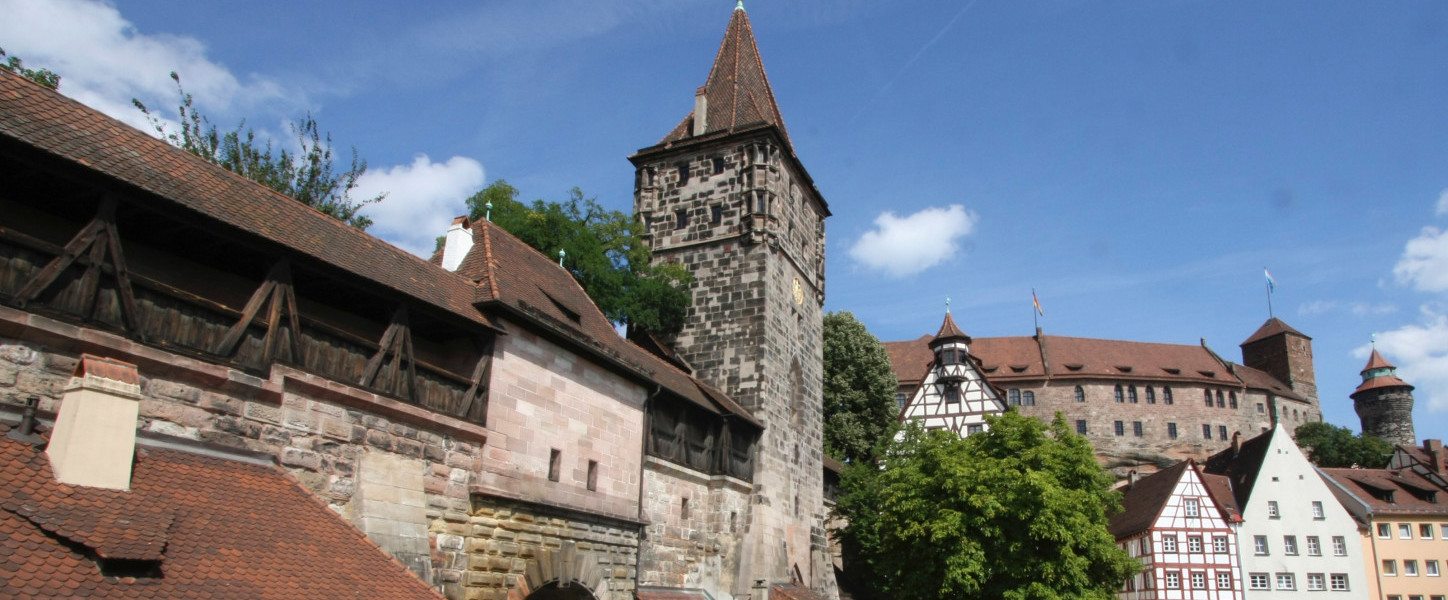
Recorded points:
(1411, 493)
(169, 179)
(1273, 326)
(1241, 464)
(737, 92)
(213, 527)
(1220, 489)
(948, 331)
(1142, 503)
(511, 275)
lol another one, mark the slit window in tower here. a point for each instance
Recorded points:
(681, 219)
(683, 174)
(592, 475)
(555, 464)
(716, 214)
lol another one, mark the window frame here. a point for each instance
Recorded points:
(1260, 547)
(1192, 508)
(1169, 543)
(1219, 544)
(1199, 580)
(1194, 544)
(1430, 567)
(1079, 394)
(1289, 578)
(1318, 513)
(1171, 430)
(1172, 580)
(1390, 567)
(1259, 581)
(1137, 429)
(1224, 580)
(1339, 545)
(1166, 394)
(1314, 545)
(1316, 582)
(1120, 428)
(1081, 427)
(1334, 578)
(1405, 531)
(1425, 531)
(1289, 545)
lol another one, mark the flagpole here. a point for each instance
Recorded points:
(1269, 301)
(1035, 308)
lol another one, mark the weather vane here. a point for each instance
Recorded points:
(947, 298)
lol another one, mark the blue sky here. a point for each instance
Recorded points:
(1136, 163)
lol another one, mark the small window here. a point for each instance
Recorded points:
(1289, 545)
(974, 429)
(683, 174)
(1166, 395)
(1318, 514)
(1199, 580)
(1221, 403)
(1080, 394)
(1405, 531)
(1168, 543)
(1207, 431)
(1208, 395)
(718, 165)
(1385, 530)
(1259, 581)
(733, 521)
(1232, 399)
(592, 475)
(1136, 429)
(947, 357)
(1131, 394)
(1430, 567)
(1338, 582)
(681, 219)
(1222, 432)
(1314, 546)
(1193, 507)
(1272, 512)
(1261, 409)
(1081, 426)
(716, 215)
(1150, 395)
(1316, 582)
(1194, 544)
(1028, 398)
(1015, 396)
(1219, 544)
(1390, 568)
(1173, 580)
(900, 399)
(1259, 545)
(1286, 581)
(1410, 568)
(1339, 546)
(555, 464)
(1224, 580)
(1120, 428)
(1120, 398)
(684, 508)
(1171, 430)
(952, 394)
(1425, 531)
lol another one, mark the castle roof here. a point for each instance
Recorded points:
(948, 331)
(192, 525)
(1376, 361)
(1273, 326)
(737, 92)
(1387, 379)
(1033, 358)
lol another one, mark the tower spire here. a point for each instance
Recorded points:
(739, 6)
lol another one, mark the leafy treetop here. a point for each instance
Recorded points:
(310, 176)
(603, 249)
(1017, 512)
(44, 77)
(1330, 446)
(859, 389)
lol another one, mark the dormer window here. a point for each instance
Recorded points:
(947, 356)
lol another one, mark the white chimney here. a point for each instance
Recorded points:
(701, 111)
(94, 439)
(459, 241)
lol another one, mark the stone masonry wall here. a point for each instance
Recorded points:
(513, 547)
(1387, 413)
(695, 547)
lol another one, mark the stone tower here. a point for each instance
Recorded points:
(1384, 403)
(725, 195)
(1286, 354)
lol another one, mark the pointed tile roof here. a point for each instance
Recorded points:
(1272, 327)
(1376, 361)
(1141, 503)
(1384, 380)
(738, 93)
(948, 331)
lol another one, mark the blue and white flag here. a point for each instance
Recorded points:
(1271, 283)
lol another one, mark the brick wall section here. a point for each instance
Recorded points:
(543, 398)
(703, 549)
(745, 332)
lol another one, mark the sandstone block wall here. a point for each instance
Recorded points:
(1388, 414)
(695, 546)
(513, 548)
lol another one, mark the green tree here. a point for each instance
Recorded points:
(859, 389)
(44, 77)
(310, 176)
(1018, 512)
(1330, 446)
(603, 249)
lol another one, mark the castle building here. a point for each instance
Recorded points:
(725, 195)
(1384, 403)
(1182, 525)
(1141, 404)
(952, 395)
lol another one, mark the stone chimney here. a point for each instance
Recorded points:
(459, 241)
(701, 111)
(1434, 448)
(760, 591)
(94, 439)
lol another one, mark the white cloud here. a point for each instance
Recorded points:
(1424, 264)
(1318, 307)
(422, 199)
(904, 246)
(1443, 203)
(1363, 309)
(104, 62)
(1421, 352)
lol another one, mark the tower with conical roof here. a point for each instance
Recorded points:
(953, 395)
(1384, 403)
(724, 194)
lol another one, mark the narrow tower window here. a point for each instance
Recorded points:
(1080, 394)
(555, 464)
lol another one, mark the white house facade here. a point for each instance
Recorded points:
(953, 395)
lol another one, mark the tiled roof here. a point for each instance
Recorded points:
(949, 331)
(794, 592)
(738, 92)
(1392, 491)
(513, 276)
(177, 182)
(1241, 465)
(1019, 358)
(1376, 361)
(1220, 489)
(212, 528)
(1379, 382)
(1272, 327)
(1141, 504)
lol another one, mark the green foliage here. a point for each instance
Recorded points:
(1330, 446)
(859, 389)
(310, 176)
(44, 77)
(604, 251)
(1018, 512)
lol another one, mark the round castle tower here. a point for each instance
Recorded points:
(1384, 403)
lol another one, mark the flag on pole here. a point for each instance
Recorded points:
(1037, 302)
(1271, 283)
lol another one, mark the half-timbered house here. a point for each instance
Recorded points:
(1182, 525)
(952, 395)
